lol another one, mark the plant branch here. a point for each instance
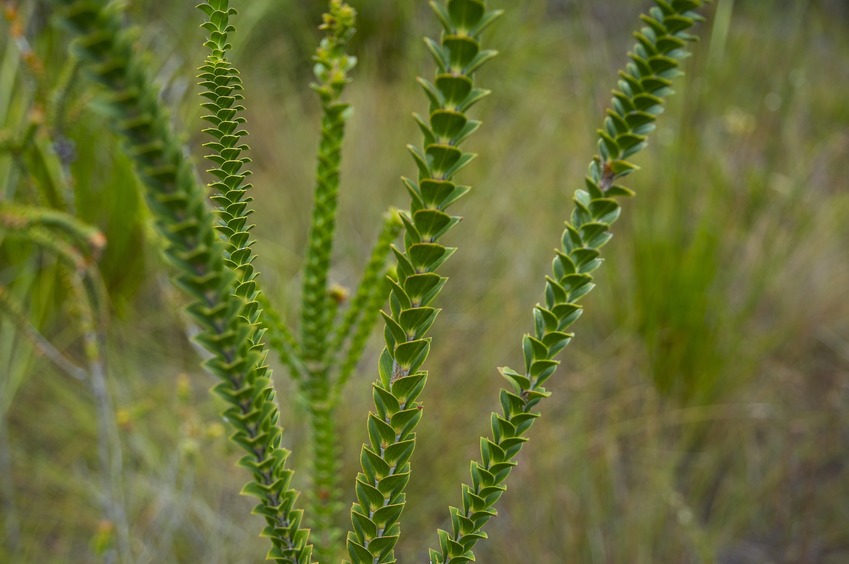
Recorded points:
(19, 217)
(318, 309)
(281, 339)
(386, 458)
(332, 65)
(642, 89)
(194, 248)
(223, 93)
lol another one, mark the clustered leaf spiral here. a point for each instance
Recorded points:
(643, 85)
(213, 259)
(319, 307)
(253, 411)
(332, 65)
(386, 458)
(221, 299)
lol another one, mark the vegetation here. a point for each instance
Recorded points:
(701, 416)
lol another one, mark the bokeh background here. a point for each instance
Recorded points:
(700, 415)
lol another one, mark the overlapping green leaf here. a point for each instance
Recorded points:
(386, 459)
(636, 103)
(214, 272)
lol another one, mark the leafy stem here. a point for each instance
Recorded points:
(415, 285)
(318, 311)
(220, 299)
(332, 66)
(639, 99)
(253, 410)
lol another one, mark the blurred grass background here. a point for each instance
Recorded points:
(702, 412)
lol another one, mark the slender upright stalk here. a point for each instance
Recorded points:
(386, 458)
(637, 102)
(223, 302)
(332, 65)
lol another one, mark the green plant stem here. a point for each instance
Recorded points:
(193, 246)
(385, 460)
(332, 65)
(355, 328)
(59, 246)
(719, 31)
(318, 309)
(326, 492)
(9, 72)
(643, 85)
(316, 322)
(223, 89)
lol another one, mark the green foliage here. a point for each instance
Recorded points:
(44, 236)
(637, 102)
(20, 218)
(386, 458)
(332, 65)
(253, 412)
(224, 303)
(212, 256)
(740, 211)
